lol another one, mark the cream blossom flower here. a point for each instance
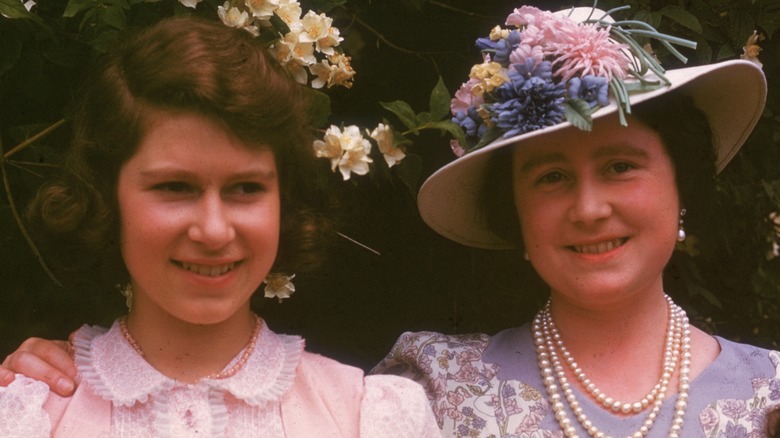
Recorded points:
(497, 33)
(314, 26)
(347, 150)
(329, 41)
(232, 16)
(262, 9)
(190, 3)
(289, 11)
(279, 286)
(385, 139)
(336, 70)
(235, 17)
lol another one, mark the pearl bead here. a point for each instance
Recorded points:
(676, 358)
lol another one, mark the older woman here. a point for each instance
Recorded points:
(598, 215)
(188, 173)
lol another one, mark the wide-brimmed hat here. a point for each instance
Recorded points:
(731, 94)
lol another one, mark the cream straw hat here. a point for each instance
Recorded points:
(731, 94)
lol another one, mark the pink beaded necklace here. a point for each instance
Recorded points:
(220, 375)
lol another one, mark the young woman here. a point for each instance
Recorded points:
(188, 175)
(598, 214)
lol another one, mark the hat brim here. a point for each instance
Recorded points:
(731, 94)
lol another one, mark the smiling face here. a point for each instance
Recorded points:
(199, 218)
(599, 211)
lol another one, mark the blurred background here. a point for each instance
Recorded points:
(727, 276)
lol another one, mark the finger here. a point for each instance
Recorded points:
(6, 377)
(45, 361)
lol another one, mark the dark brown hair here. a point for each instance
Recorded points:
(182, 65)
(686, 135)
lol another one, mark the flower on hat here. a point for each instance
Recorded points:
(548, 68)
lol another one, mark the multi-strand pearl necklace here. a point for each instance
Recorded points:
(236, 367)
(550, 347)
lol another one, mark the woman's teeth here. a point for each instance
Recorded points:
(599, 248)
(208, 270)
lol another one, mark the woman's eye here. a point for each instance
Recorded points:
(174, 187)
(550, 178)
(249, 188)
(621, 167)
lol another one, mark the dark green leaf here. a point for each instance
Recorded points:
(325, 5)
(682, 17)
(10, 52)
(424, 118)
(439, 102)
(577, 113)
(106, 40)
(13, 9)
(741, 26)
(404, 112)
(320, 110)
(76, 6)
(451, 128)
(114, 16)
(726, 52)
(409, 171)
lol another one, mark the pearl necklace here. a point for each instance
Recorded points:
(220, 375)
(677, 350)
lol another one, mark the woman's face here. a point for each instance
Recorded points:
(599, 211)
(199, 216)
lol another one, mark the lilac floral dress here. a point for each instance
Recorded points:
(483, 386)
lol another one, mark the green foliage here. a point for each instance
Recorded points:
(407, 55)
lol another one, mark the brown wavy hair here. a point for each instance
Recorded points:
(182, 65)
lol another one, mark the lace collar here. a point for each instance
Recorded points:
(116, 372)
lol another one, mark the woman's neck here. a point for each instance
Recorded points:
(189, 352)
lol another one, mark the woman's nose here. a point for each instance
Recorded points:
(212, 226)
(590, 202)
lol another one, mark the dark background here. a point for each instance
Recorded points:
(358, 303)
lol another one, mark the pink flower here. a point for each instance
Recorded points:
(528, 16)
(586, 49)
(465, 98)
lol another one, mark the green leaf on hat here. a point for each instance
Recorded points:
(577, 112)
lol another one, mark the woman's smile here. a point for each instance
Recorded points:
(599, 248)
(207, 270)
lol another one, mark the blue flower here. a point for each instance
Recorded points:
(467, 411)
(463, 430)
(471, 122)
(735, 431)
(591, 89)
(531, 100)
(502, 48)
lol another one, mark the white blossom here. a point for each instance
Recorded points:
(279, 286)
(383, 135)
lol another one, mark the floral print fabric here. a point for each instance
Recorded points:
(480, 386)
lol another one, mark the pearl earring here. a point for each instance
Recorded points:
(681, 230)
(526, 257)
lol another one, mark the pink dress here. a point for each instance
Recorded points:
(282, 391)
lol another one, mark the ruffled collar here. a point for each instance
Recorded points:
(117, 373)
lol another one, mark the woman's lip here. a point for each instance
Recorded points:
(207, 269)
(599, 247)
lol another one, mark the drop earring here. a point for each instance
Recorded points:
(681, 229)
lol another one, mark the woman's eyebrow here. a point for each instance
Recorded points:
(539, 160)
(620, 149)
